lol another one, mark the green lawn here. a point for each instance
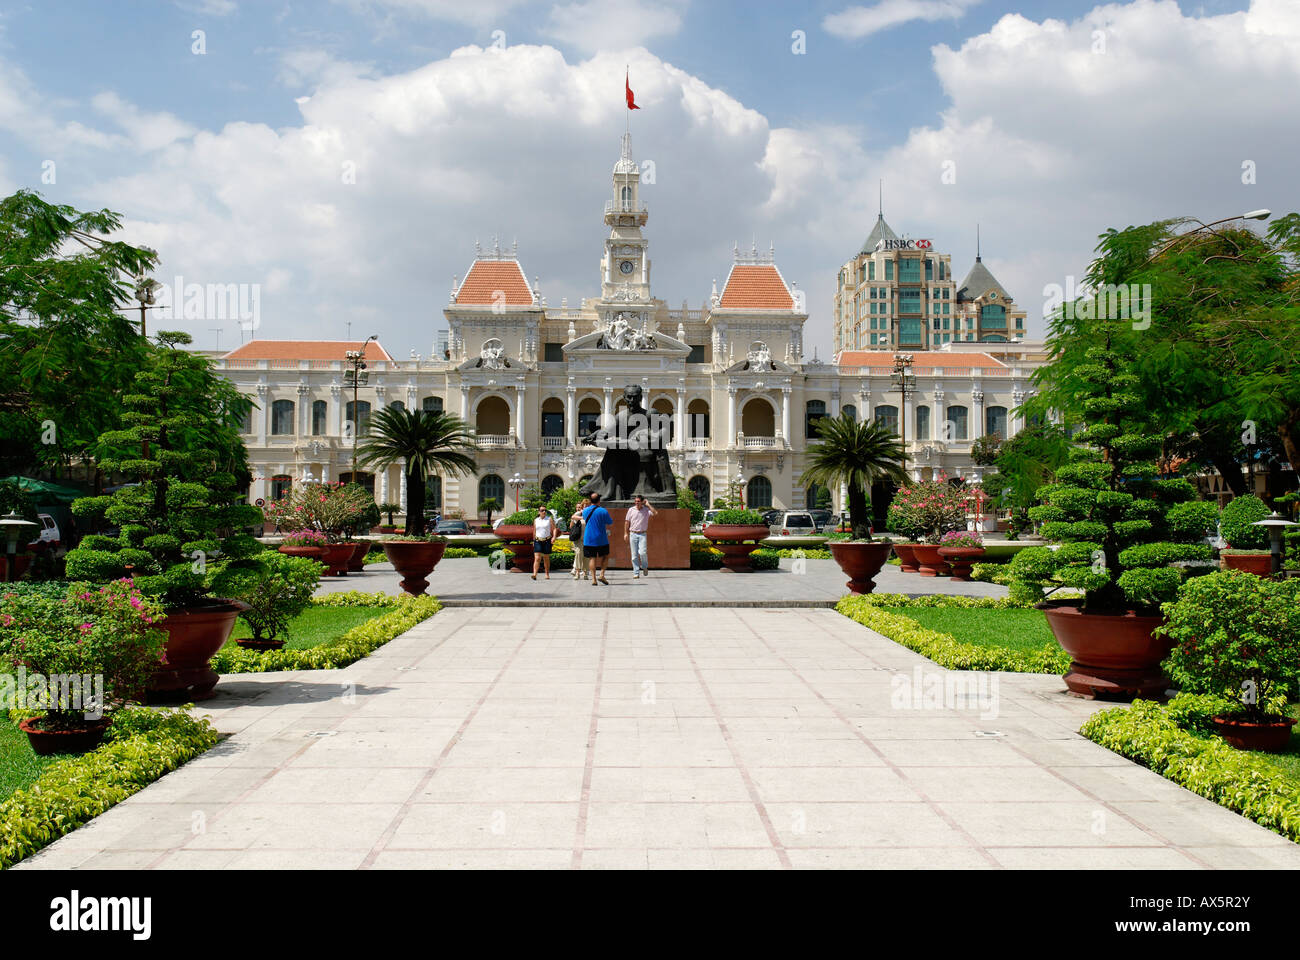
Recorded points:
(1024, 631)
(316, 625)
(19, 766)
(1286, 762)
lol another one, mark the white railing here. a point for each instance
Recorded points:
(620, 206)
(760, 443)
(698, 443)
(552, 443)
(495, 440)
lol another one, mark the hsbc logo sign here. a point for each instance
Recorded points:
(903, 245)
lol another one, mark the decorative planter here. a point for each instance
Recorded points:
(194, 634)
(518, 537)
(414, 560)
(292, 550)
(387, 528)
(1260, 564)
(248, 643)
(1114, 655)
(337, 557)
(932, 565)
(1271, 735)
(906, 557)
(960, 559)
(731, 539)
(77, 740)
(860, 560)
(358, 562)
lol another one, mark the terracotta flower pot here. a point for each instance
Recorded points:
(296, 550)
(1273, 734)
(518, 538)
(731, 539)
(1260, 564)
(336, 559)
(194, 634)
(907, 557)
(932, 565)
(387, 528)
(861, 561)
(1114, 655)
(76, 740)
(414, 560)
(960, 559)
(358, 562)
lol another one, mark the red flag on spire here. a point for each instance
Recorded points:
(631, 101)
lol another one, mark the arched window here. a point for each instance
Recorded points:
(367, 480)
(922, 423)
(280, 487)
(699, 486)
(758, 419)
(956, 426)
(850, 411)
(887, 417)
(319, 412)
(553, 418)
(431, 404)
(398, 405)
(433, 493)
(662, 416)
(281, 417)
(247, 426)
(588, 416)
(492, 418)
(626, 195)
(758, 494)
(814, 410)
(550, 484)
(697, 416)
(362, 408)
(492, 487)
(584, 480)
(995, 420)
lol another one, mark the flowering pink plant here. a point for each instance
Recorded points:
(305, 538)
(331, 508)
(932, 508)
(961, 538)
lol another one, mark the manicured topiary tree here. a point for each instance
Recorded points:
(1118, 524)
(182, 528)
(1237, 524)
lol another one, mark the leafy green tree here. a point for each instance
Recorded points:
(67, 330)
(856, 454)
(530, 498)
(686, 501)
(425, 442)
(490, 505)
(181, 531)
(564, 501)
(984, 451)
(1026, 462)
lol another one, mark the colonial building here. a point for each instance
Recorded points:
(900, 294)
(533, 379)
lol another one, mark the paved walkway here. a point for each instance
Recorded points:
(819, 583)
(656, 738)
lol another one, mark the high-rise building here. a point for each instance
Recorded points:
(900, 294)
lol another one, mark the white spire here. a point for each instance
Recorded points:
(625, 162)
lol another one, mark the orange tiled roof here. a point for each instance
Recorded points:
(305, 350)
(487, 277)
(920, 358)
(757, 287)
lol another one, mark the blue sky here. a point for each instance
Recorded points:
(222, 161)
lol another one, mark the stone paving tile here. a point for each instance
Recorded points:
(654, 738)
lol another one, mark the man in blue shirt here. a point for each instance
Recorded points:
(596, 522)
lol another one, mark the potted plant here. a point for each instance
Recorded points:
(1119, 527)
(936, 507)
(414, 558)
(181, 528)
(307, 543)
(901, 519)
(275, 592)
(489, 506)
(961, 548)
(736, 533)
(1238, 636)
(857, 455)
(92, 648)
(516, 532)
(389, 509)
(1247, 543)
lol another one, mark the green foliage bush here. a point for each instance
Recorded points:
(142, 746)
(747, 518)
(276, 591)
(521, 518)
(1237, 523)
(686, 501)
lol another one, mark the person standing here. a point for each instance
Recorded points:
(575, 538)
(543, 538)
(636, 528)
(596, 522)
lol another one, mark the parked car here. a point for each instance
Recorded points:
(793, 524)
(708, 517)
(771, 516)
(49, 530)
(451, 528)
(822, 518)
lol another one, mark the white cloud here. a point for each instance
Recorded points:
(476, 13)
(209, 8)
(148, 131)
(592, 25)
(853, 23)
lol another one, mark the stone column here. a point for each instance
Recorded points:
(383, 484)
(835, 403)
(571, 417)
(464, 402)
(679, 421)
(336, 402)
(304, 410)
(1017, 418)
(785, 414)
(976, 427)
(263, 414)
(521, 431)
(731, 416)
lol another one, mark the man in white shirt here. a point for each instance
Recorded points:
(637, 526)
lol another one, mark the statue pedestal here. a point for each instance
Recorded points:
(668, 544)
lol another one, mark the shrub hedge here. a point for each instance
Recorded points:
(142, 746)
(1172, 740)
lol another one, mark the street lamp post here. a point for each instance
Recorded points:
(1275, 523)
(904, 381)
(356, 375)
(517, 481)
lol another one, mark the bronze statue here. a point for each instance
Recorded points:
(636, 456)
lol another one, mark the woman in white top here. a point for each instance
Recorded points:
(543, 537)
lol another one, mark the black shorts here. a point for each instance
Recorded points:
(590, 551)
(541, 546)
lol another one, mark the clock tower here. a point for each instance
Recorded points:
(625, 268)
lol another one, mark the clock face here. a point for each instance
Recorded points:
(627, 266)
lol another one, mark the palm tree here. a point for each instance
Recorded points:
(425, 442)
(857, 455)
